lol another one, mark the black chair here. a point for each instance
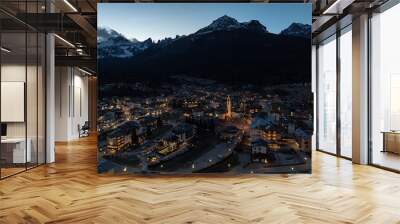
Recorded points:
(84, 130)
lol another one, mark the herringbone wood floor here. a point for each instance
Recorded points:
(70, 191)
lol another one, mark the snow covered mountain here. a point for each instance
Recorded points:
(298, 30)
(225, 50)
(113, 44)
(228, 23)
(103, 34)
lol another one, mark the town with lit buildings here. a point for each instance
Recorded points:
(192, 125)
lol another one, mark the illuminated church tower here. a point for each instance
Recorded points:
(228, 107)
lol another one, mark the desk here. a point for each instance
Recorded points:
(13, 150)
(391, 141)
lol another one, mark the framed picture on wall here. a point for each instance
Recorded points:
(204, 88)
(12, 101)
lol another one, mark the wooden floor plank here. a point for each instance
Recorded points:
(70, 191)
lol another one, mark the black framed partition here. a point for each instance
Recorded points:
(345, 92)
(23, 90)
(334, 92)
(384, 87)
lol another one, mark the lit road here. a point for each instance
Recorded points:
(217, 154)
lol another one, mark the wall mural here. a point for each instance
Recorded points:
(204, 88)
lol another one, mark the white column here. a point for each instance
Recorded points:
(63, 100)
(360, 90)
(50, 98)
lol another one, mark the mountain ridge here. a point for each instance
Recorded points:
(225, 55)
(115, 45)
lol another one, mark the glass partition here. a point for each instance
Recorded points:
(345, 92)
(22, 78)
(385, 89)
(31, 98)
(326, 104)
(14, 153)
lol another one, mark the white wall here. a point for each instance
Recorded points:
(80, 110)
(71, 102)
(62, 82)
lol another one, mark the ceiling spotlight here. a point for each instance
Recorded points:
(70, 5)
(5, 50)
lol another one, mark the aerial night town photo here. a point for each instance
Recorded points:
(204, 88)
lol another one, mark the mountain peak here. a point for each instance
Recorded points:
(148, 41)
(134, 40)
(297, 24)
(224, 22)
(255, 25)
(114, 44)
(105, 33)
(298, 30)
(226, 17)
